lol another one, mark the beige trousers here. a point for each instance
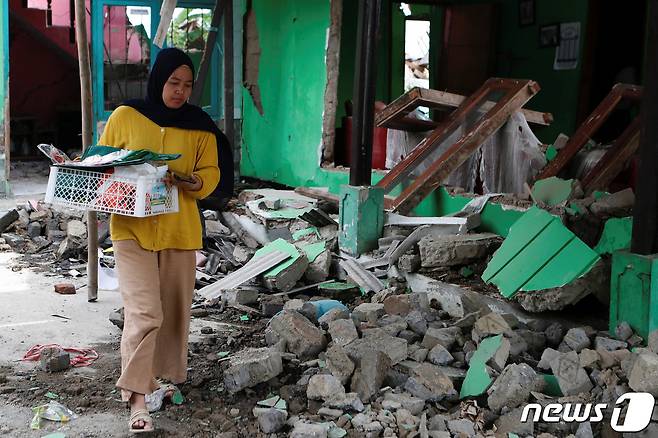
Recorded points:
(157, 290)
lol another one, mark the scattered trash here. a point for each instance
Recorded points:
(85, 356)
(156, 399)
(51, 395)
(244, 318)
(53, 411)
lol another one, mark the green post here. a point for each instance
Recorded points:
(361, 218)
(634, 292)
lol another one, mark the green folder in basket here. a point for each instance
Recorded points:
(134, 157)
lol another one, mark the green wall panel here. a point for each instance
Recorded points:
(284, 143)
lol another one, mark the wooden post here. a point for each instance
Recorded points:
(645, 211)
(228, 73)
(87, 116)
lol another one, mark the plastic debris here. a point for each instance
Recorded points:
(244, 318)
(155, 400)
(85, 356)
(52, 395)
(53, 411)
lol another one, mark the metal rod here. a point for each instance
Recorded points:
(87, 119)
(645, 211)
(364, 92)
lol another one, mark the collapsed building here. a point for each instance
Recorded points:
(448, 296)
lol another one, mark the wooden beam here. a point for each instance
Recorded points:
(585, 132)
(390, 117)
(614, 160)
(516, 94)
(166, 15)
(208, 49)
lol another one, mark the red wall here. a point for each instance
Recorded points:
(43, 79)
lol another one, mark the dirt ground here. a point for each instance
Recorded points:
(208, 410)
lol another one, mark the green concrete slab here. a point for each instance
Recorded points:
(634, 292)
(552, 387)
(538, 253)
(305, 232)
(477, 379)
(617, 233)
(279, 245)
(552, 191)
(313, 250)
(361, 218)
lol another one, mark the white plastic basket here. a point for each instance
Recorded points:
(138, 196)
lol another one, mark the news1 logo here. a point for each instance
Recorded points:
(638, 414)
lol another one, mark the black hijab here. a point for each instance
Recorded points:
(186, 117)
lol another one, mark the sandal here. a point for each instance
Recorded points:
(143, 415)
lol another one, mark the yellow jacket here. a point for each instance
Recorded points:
(127, 128)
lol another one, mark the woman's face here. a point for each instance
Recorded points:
(178, 87)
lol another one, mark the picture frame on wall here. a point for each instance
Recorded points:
(549, 35)
(526, 12)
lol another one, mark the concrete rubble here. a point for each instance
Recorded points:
(419, 346)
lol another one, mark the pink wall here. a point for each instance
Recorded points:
(116, 40)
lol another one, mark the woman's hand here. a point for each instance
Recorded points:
(188, 183)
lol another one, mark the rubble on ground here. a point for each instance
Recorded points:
(404, 341)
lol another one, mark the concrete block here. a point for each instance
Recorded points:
(395, 348)
(644, 374)
(334, 314)
(409, 262)
(571, 377)
(339, 363)
(75, 230)
(7, 219)
(547, 358)
(318, 269)
(286, 278)
(370, 375)
(577, 339)
(393, 402)
(54, 359)
(361, 220)
(440, 356)
(397, 305)
(554, 334)
(589, 358)
(342, 331)
(512, 388)
(34, 229)
(350, 402)
(272, 420)
(251, 367)
(602, 343)
(445, 336)
(417, 322)
(623, 331)
(462, 427)
(302, 337)
(309, 430)
(452, 250)
(65, 289)
(427, 382)
(324, 387)
(392, 324)
(241, 296)
(490, 324)
(368, 312)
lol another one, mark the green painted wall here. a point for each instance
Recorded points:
(520, 56)
(284, 144)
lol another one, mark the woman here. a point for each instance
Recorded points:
(155, 256)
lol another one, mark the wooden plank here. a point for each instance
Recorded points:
(585, 132)
(394, 114)
(404, 168)
(614, 160)
(518, 93)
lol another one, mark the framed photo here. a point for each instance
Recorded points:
(549, 35)
(526, 12)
